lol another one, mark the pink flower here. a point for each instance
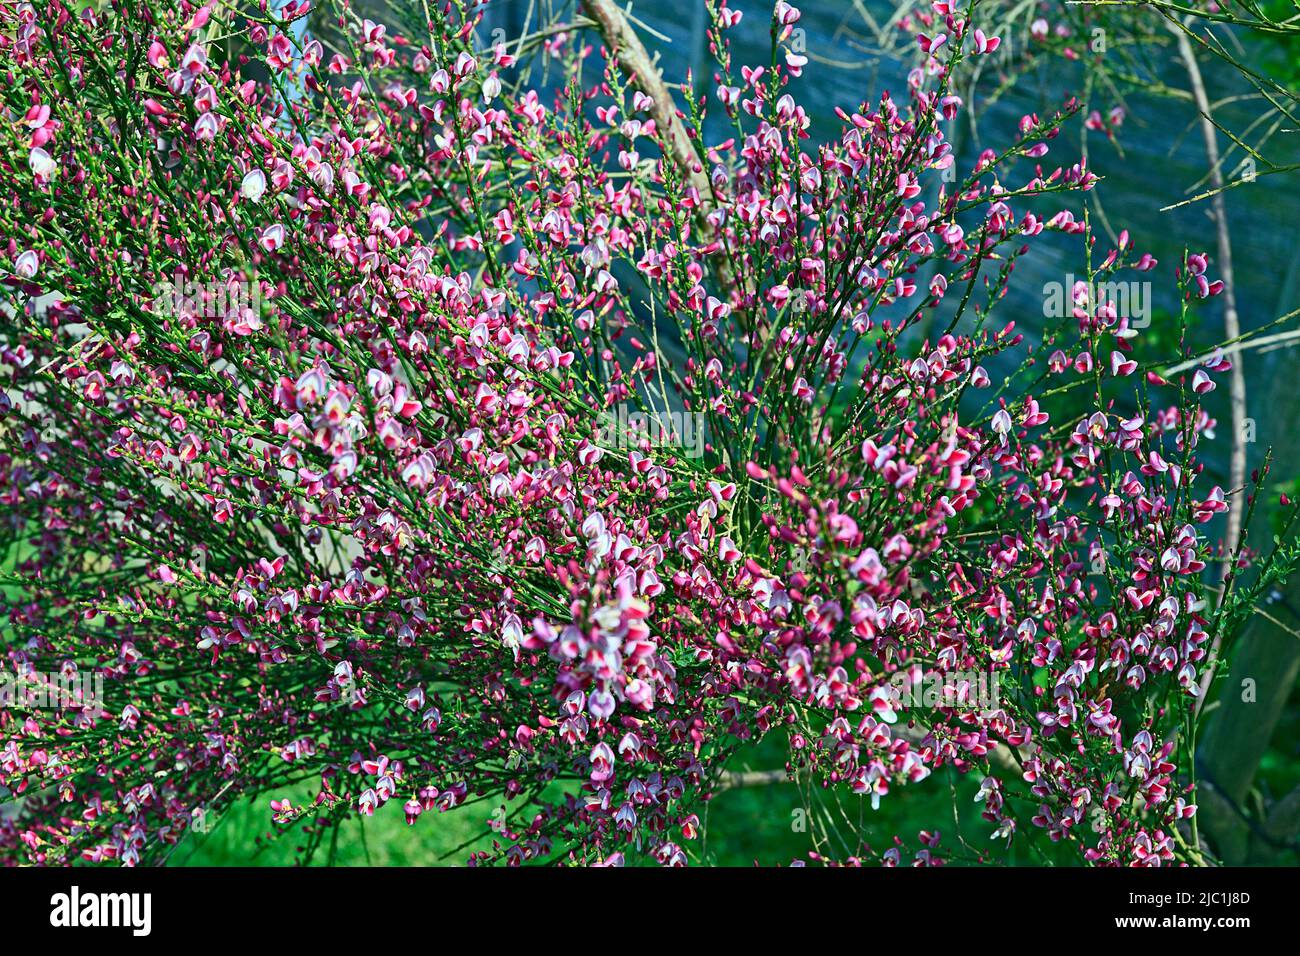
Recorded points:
(272, 237)
(27, 264)
(205, 128)
(253, 185)
(43, 165)
(985, 44)
(602, 763)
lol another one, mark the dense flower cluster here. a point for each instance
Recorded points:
(346, 508)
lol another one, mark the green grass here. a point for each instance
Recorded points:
(243, 837)
(766, 825)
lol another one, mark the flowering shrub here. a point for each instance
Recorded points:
(307, 447)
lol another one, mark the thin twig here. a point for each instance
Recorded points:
(1232, 326)
(623, 42)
